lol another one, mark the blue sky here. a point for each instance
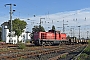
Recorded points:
(56, 10)
(41, 7)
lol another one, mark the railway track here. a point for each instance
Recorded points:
(36, 53)
(69, 55)
(58, 55)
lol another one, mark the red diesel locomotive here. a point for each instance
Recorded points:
(49, 38)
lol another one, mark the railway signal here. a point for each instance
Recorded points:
(11, 12)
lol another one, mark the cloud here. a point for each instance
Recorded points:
(4, 18)
(74, 18)
(69, 16)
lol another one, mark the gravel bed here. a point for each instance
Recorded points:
(47, 56)
(73, 54)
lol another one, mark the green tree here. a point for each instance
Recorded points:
(21, 46)
(38, 29)
(41, 28)
(35, 29)
(53, 27)
(18, 26)
(68, 36)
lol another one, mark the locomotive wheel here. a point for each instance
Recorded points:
(43, 43)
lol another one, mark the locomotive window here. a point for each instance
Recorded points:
(43, 35)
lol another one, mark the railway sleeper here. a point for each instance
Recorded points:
(45, 43)
(12, 59)
(57, 57)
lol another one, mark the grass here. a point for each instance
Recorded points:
(86, 54)
(63, 56)
(27, 41)
(20, 58)
(3, 49)
(21, 46)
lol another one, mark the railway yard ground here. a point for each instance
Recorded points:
(31, 52)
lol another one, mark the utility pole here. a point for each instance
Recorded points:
(79, 32)
(87, 34)
(11, 12)
(59, 28)
(64, 26)
(72, 32)
(41, 21)
(40, 24)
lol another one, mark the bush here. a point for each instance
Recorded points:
(83, 56)
(27, 41)
(20, 58)
(21, 46)
(86, 53)
(63, 56)
(87, 50)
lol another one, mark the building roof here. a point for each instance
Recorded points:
(5, 24)
(28, 32)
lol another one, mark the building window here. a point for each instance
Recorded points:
(23, 41)
(9, 41)
(23, 36)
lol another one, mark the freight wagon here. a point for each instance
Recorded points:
(49, 38)
(74, 40)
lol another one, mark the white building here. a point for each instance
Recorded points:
(14, 39)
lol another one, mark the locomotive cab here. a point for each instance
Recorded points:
(49, 38)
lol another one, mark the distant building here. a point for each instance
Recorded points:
(14, 39)
(28, 34)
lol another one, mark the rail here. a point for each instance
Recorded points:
(79, 53)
